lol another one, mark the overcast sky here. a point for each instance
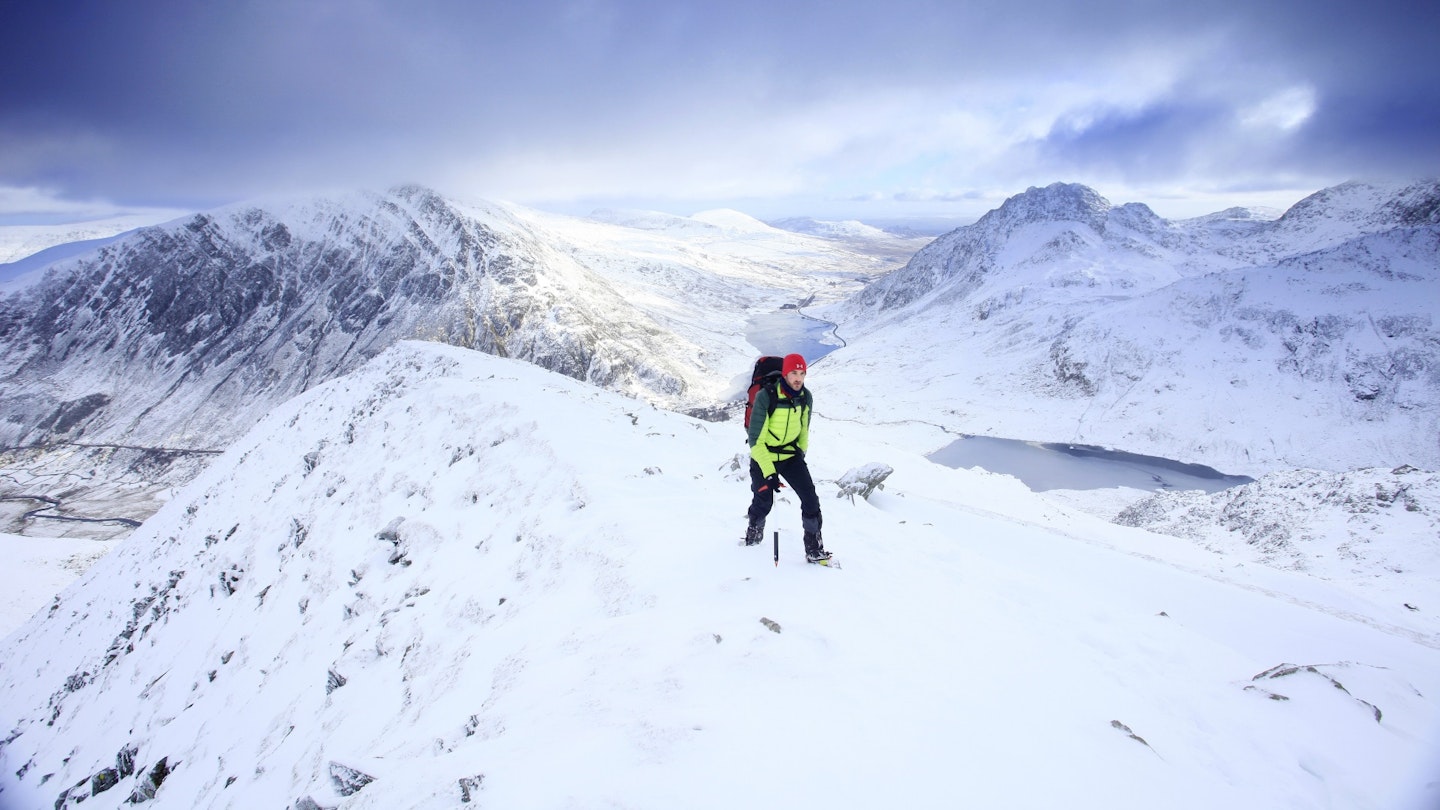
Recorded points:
(834, 109)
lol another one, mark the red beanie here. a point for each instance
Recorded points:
(791, 363)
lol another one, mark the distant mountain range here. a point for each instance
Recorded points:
(20, 242)
(1237, 340)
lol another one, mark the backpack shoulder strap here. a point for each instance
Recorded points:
(772, 387)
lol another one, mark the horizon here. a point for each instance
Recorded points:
(927, 222)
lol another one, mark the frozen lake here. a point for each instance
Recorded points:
(1042, 466)
(781, 333)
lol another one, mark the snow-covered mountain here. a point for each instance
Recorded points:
(902, 242)
(450, 579)
(1246, 343)
(845, 229)
(180, 337)
(146, 340)
(255, 304)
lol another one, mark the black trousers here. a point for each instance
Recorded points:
(797, 475)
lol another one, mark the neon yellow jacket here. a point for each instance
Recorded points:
(784, 432)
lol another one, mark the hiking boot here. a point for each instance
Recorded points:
(754, 533)
(815, 548)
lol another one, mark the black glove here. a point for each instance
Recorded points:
(771, 483)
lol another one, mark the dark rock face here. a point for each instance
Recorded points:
(70, 415)
(107, 778)
(348, 781)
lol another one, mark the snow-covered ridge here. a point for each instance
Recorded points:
(20, 241)
(1241, 214)
(647, 220)
(401, 585)
(846, 229)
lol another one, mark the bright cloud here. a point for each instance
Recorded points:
(1286, 110)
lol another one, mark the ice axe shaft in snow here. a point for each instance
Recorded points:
(777, 548)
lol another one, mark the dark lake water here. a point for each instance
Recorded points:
(1041, 466)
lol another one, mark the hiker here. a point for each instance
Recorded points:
(778, 442)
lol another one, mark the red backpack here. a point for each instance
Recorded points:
(766, 373)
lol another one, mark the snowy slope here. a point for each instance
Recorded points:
(25, 272)
(1246, 344)
(18, 242)
(450, 579)
(1375, 528)
(37, 568)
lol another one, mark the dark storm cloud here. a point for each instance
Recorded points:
(205, 90)
(181, 102)
(1373, 100)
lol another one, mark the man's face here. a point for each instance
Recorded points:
(796, 378)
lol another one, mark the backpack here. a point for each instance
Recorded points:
(766, 373)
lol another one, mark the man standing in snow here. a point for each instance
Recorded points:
(777, 450)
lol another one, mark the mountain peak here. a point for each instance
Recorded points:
(961, 259)
(730, 219)
(1240, 213)
(1057, 202)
